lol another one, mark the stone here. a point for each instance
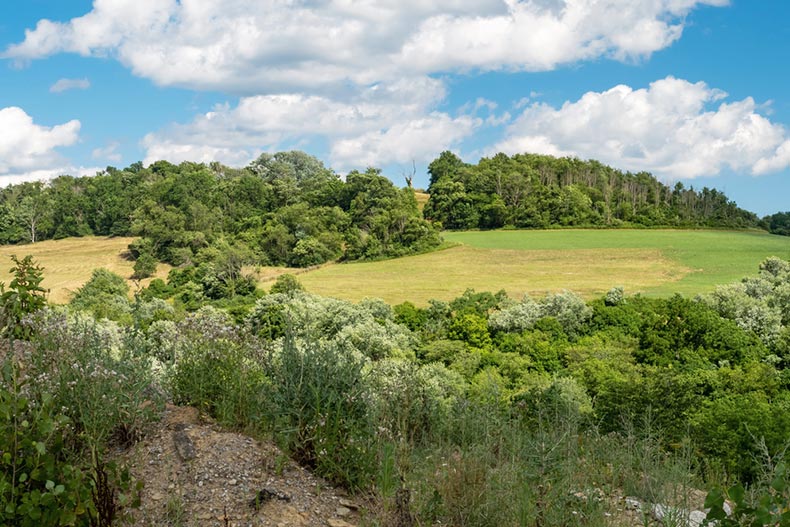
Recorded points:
(338, 523)
(184, 445)
(342, 511)
(348, 504)
(632, 504)
(697, 519)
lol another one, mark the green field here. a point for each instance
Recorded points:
(590, 262)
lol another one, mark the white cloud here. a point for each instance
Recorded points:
(282, 46)
(380, 124)
(47, 174)
(355, 74)
(108, 152)
(26, 147)
(674, 128)
(70, 84)
(415, 139)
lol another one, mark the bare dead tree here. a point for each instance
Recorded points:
(410, 177)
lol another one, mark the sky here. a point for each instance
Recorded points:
(694, 91)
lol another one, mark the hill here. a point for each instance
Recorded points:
(68, 263)
(540, 191)
(589, 262)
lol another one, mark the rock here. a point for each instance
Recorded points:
(348, 504)
(338, 523)
(697, 519)
(632, 504)
(342, 511)
(265, 495)
(184, 445)
(232, 482)
(674, 516)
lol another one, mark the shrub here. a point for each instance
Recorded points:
(287, 284)
(105, 387)
(24, 296)
(318, 404)
(38, 486)
(213, 367)
(104, 295)
(144, 266)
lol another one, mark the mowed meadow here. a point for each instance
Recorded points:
(588, 262)
(69, 263)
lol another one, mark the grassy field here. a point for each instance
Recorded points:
(446, 274)
(710, 257)
(590, 262)
(422, 199)
(68, 263)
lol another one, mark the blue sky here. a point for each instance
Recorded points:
(690, 90)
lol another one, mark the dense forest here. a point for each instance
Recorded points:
(539, 191)
(282, 209)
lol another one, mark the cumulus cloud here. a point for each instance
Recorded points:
(380, 124)
(29, 147)
(47, 174)
(673, 128)
(358, 75)
(109, 152)
(70, 84)
(279, 46)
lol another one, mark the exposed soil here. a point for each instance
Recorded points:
(196, 474)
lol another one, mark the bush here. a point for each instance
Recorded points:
(106, 388)
(105, 295)
(213, 368)
(38, 486)
(318, 405)
(287, 284)
(144, 266)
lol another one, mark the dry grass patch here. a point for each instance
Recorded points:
(68, 263)
(422, 199)
(446, 274)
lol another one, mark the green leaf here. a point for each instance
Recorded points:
(737, 494)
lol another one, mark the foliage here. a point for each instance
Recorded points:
(285, 209)
(287, 284)
(23, 297)
(778, 223)
(318, 404)
(38, 486)
(770, 507)
(211, 366)
(105, 295)
(540, 191)
(144, 266)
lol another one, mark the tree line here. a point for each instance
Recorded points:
(540, 191)
(281, 209)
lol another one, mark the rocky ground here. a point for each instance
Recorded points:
(196, 474)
